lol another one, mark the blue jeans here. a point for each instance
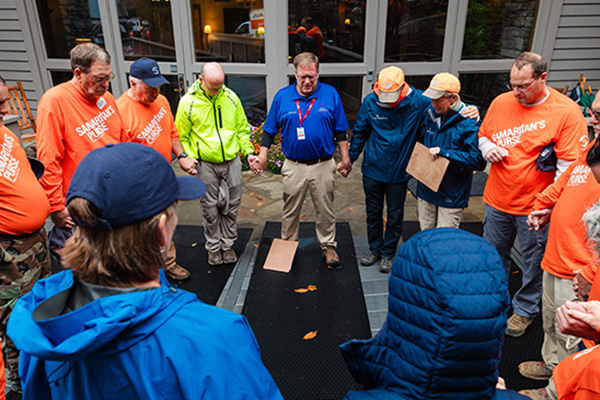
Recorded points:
(394, 195)
(500, 229)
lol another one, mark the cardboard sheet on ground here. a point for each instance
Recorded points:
(281, 255)
(426, 170)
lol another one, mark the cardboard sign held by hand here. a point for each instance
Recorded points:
(423, 168)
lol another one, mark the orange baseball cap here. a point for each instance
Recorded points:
(389, 84)
(441, 84)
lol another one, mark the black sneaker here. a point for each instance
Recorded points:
(370, 258)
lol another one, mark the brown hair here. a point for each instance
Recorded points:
(306, 59)
(117, 258)
(84, 54)
(537, 62)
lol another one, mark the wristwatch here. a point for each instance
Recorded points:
(182, 155)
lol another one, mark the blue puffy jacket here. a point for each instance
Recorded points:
(388, 135)
(156, 344)
(457, 140)
(448, 299)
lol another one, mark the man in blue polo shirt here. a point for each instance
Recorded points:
(311, 118)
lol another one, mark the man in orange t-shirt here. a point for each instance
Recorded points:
(24, 256)
(75, 118)
(147, 119)
(516, 128)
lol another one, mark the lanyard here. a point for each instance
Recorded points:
(307, 111)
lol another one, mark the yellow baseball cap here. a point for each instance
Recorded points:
(389, 84)
(441, 84)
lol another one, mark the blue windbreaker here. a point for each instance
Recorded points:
(388, 135)
(457, 140)
(156, 344)
(448, 300)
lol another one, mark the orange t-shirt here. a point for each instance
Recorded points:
(524, 131)
(575, 192)
(576, 377)
(152, 125)
(69, 127)
(24, 206)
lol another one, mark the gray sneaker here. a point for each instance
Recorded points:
(370, 258)
(215, 257)
(385, 265)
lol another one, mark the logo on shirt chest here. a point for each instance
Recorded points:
(579, 175)
(153, 130)
(96, 127)
(9, 165)
(510, 137)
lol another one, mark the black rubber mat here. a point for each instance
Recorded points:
(479, 180)
(409, 228)
(206, 281)
(280, 317)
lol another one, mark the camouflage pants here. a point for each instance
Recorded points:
(23, 260)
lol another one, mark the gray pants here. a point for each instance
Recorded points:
(500, 229)
(220, 229)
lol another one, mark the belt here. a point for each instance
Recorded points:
(313, 161)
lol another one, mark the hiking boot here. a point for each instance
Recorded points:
(537, 370)
(370, 258)
(177, 272)
(229, 256)
(536, 394)
(385, 265)
(331, 257)
(517, 325)
(215, 257)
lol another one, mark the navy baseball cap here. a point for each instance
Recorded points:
(147, 70)
(130, 182)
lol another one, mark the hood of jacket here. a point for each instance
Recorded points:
(448, 302)
(103, 327)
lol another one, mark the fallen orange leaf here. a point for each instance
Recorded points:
(301, 290)
(351, 208)
(251, 193)
(312, 288)
(310, 335)
(255, 245)
(194, 244)
(302, 215)
(259, 204)
(258, 197)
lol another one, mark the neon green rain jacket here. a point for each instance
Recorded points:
(212, 129)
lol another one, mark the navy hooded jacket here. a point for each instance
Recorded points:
(448, 300)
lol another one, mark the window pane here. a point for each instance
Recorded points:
(251, 90)
(415, 30)
(146, 29)
(229, 30)
(67, 22)
(480, 89)
(333, 30)
(499, 28)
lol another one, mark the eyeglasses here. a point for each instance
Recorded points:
(100, 81)
(521, 88)
(304, 77)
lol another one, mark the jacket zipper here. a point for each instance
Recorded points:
(219, 124)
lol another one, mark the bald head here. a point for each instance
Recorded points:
(212, 76)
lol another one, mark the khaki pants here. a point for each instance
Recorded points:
(298, 178)
(434, 216)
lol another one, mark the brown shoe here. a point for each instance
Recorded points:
(517, 325)
(215, 257)
(178, 272)
(536, 394)
(331, 257)
(537, 370)
(229, 256)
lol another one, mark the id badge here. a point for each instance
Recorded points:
(300, 131)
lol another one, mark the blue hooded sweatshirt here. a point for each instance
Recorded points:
(448, 299)
(161, 343)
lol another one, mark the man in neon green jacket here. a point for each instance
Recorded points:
(213, 129)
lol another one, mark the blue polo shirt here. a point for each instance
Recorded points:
(325, 119)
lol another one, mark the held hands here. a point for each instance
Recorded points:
(344, 167)
(496, 154)
(62, 219)
(434, 151)
(538, 219)
(188, 164)
(581, 287)
(580, 319)
(257, 165)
